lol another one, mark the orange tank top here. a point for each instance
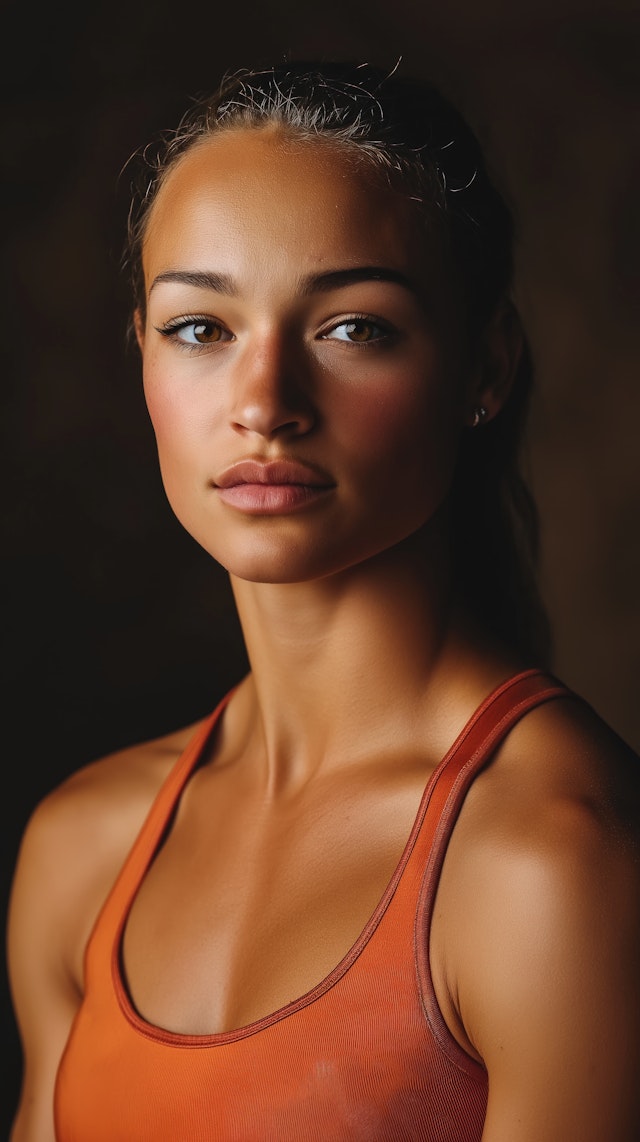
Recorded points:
(365, 1055)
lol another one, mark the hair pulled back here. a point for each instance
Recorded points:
(416, 139)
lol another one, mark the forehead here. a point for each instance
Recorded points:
(263, 196)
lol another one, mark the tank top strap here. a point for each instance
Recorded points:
(114, 911)
(449, 785)
(480, 738)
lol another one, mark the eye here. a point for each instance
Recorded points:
(194, 331)
(358, 331)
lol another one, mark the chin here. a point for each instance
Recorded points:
(280, 569)
(285, 562)
(286, 551)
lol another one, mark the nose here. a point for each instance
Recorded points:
(270, 391)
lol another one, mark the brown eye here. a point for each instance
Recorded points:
(358, 330)
(196, 331)
(201, 332)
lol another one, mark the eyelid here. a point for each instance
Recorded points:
(172, 328)
(183, 322)
(387, 329)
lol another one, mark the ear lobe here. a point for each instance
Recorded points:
(499, 355)
(138, 325)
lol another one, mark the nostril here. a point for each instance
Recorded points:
(293, 427)
(270, 387)
(271, 420)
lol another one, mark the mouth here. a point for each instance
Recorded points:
(273, 487)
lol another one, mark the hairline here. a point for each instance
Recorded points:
(366, 156)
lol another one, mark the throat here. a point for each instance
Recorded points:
(341, 670)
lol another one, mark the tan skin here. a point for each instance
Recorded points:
(536, 939)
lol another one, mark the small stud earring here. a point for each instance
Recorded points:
(479, 415)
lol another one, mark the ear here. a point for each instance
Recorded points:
(497, 359)
(138, 325)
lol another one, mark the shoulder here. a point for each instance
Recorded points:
(561, 791)
(562, 758)
(73, 846)
(79, 835)
(106, 799)
(562, 796)
(553, 821)
(546, 934)
(114, 790)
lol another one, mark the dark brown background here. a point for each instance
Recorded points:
(116, 626)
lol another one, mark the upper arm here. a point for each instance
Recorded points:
(44, 993)
(552, 998)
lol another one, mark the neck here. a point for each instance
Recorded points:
(343, 666)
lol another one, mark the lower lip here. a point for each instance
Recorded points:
(271, 499)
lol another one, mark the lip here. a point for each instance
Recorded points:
(272, 487)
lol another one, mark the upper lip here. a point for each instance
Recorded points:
(273, 472)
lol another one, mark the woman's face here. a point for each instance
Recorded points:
(304, 358)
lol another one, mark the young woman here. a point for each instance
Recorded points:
(389, 889)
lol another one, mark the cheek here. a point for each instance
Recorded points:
(179, 425)
(404, 427)
(175, 412)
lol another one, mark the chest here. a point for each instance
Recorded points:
(246, 907)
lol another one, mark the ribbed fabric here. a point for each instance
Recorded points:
(365, 1055)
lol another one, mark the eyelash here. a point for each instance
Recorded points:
(387, 332)
(172, 329)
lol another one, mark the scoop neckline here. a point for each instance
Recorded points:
(183, 1039)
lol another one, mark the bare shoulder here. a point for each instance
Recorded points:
(560, 799)
(562, 761)
(79, 834)
(107, 797)
(543, 928)
(114, 792)
(555, 814)
(72, 849)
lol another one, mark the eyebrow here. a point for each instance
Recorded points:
(313, 283)
(219, 283)
(338, 279)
